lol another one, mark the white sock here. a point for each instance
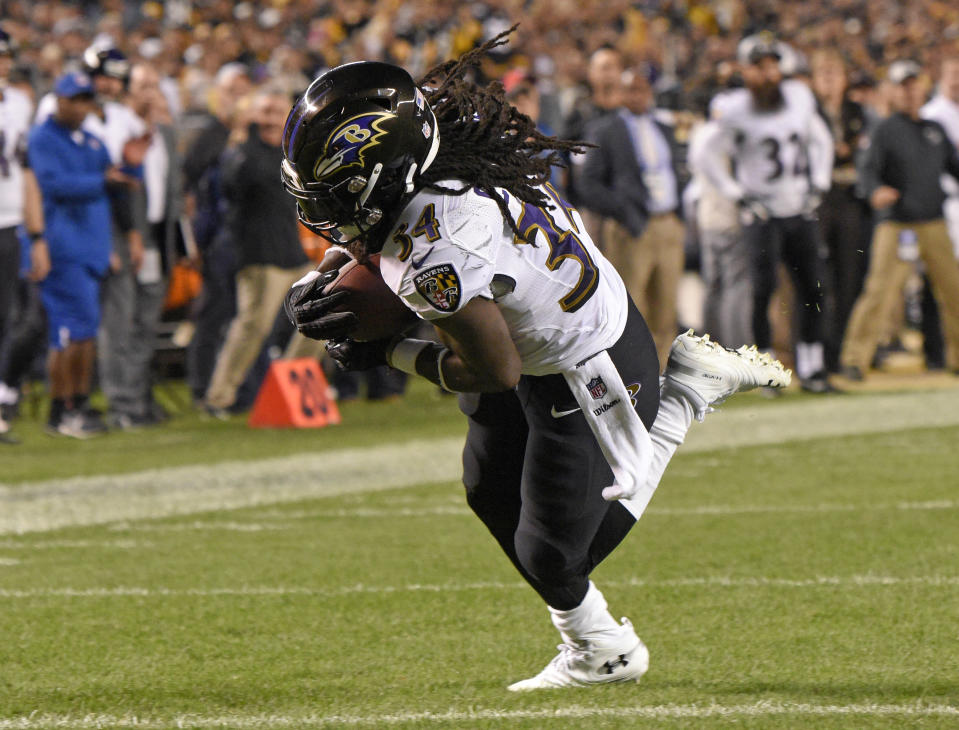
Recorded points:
(8, 395)
(673, 419)
(809, 358)
(588, 617)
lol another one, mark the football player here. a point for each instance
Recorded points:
(569, 431)
(19, 204)
(782, 155)
(15, 112)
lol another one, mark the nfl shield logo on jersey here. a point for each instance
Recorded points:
(596, 388)
(440, 286)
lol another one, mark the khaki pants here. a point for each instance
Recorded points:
(651, 267)
(882, 292)
(260, 291)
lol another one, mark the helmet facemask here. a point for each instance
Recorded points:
(328, 210)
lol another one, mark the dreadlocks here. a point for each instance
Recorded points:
(485, 141)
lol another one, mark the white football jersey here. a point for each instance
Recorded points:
(777, 155)
(561, 299)
(117, 127)
(15, 112)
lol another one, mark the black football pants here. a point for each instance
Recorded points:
(535, 478)
(795, 242)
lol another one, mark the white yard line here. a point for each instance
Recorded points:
(573, 712)
(716, 581)
(58, 503)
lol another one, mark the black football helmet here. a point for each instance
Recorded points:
(353, 146)
(105, 61)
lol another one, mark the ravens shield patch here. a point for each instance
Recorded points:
(440, 286)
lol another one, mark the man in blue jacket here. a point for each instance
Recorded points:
(72, 168)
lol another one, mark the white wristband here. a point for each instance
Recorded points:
(337, 248)
(403, 354)
(439, 369)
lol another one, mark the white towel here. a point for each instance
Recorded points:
(600, 392)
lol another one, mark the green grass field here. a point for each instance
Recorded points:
(798, 567)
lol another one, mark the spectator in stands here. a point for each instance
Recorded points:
(845, 222)
(901, 175)
(72, 168)
(263, 223)
(630, 177)
(204, 204)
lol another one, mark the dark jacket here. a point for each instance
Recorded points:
(609, 181)
(848, 129)
(168, 239)
(261, 215)
(910, 156)
(201, 178)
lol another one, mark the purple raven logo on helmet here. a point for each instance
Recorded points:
(348, 143)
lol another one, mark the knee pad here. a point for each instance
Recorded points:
(547, 562)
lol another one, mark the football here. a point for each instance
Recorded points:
(380, 312)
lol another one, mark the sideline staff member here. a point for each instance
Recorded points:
(906, 157)
(72, 169)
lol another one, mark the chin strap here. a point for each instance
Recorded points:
(408, 183)
(370, 184)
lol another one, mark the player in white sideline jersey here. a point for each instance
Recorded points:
(569, 432)
(782, 156)
(15, 112)
(19, 200)
(944, 108)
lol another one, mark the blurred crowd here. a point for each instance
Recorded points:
(190, 96)
(688, 45)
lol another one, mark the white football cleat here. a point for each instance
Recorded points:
(707, 373)
(605, 657)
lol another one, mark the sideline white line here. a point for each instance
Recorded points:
(200, 525)
(651, 712)
(74, 544)
(719, 581)
(9, 562)
(60, 503)
(56, 503)
(280, 519)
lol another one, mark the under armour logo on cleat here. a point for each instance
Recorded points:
(611, 665)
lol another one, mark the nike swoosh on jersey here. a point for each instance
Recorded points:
(418, 262)
(560, 414)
